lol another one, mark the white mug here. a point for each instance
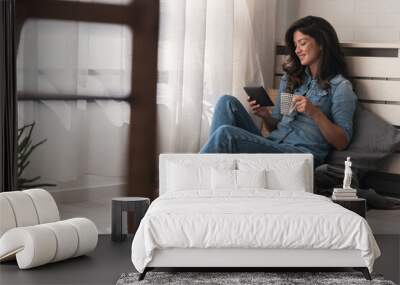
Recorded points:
(287, 105)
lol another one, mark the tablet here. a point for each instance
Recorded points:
(259, 94)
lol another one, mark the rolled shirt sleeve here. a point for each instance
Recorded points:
(344, 103)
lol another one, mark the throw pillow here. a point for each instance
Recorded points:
(189, 174)
(183, 178)
(226, 179)
(282, 174)
(251, 178)
(223, 179)
(373, 140)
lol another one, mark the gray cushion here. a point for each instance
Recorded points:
(373, 140)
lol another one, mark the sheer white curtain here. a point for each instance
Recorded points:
(208, 48)
(87, 141)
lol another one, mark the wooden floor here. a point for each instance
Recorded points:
(103, 266)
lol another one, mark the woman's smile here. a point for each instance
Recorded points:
(307, 50)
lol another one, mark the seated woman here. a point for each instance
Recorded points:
(324, 102)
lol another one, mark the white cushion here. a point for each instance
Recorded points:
(251, 178)
(34, 244)
(45, 206)
(226, 179)
(67, 239)
(193, 174)
(185, 178)
(7, 218)
(23, 208)
(211, 159)
(223, 179)
(26, 208)
(40, 244)
(281, 174)
(87, 233)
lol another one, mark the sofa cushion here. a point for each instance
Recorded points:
(373, 140)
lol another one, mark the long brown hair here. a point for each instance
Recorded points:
(331, 58)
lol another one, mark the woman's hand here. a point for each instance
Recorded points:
(257, 110)
(334, 134)
(303, 105)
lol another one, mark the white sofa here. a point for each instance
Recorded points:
(31, 231)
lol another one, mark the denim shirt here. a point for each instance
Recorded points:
(338, 103)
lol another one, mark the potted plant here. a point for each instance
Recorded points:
(24, 151)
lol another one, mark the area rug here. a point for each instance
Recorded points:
(269, 278)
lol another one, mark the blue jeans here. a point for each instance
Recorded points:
(233, 131)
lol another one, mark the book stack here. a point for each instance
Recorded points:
(344, 194)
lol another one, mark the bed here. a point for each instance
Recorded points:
(247, 210)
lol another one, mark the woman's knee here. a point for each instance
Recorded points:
(224, 132)
(225, 100)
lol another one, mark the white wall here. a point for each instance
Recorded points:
(354, 20)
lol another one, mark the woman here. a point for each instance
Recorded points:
(324, 102)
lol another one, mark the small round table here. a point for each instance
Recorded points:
(137, 205)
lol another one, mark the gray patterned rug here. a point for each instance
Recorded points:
(270, 278)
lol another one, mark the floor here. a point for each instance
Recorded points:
(103, 266)
(110, 260)
(98, 211)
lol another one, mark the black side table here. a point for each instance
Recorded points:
(357, 205)
(138, 205)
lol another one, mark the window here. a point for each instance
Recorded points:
(75, 81)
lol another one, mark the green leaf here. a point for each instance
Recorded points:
(21, 129)
(21, 170)
(24, 144)
(30, 150)
(25, 180)
(27, 186)
(25, 148)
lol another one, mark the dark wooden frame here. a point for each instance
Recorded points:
(8, 102)
(142, 17)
